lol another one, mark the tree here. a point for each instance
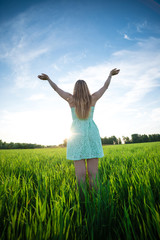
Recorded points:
(144, 138)
(110, 140)
(135, 138)
(114, 140)
(65, 142)
(119, 141)
(126, 140)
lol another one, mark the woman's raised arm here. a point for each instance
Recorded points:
(63, 94)
(102, 90)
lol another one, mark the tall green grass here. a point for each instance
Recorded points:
(39, 198)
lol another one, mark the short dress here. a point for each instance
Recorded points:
(85, 141)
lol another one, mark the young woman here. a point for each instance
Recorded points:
(85, 142)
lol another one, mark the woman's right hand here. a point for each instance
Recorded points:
(114, 71)
(43, 76)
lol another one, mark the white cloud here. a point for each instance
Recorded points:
(23, 77)
(139, 73)
(26, 45)
(126, 37)
(141, 26)
(20, 56)
(36, 97)
(31, 55)
(71, 57)
(56, 67)
(92, 74)
(155, 115)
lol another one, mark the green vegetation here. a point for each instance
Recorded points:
(138, 138)
(39, 198)
(135, 138)
(12, 145)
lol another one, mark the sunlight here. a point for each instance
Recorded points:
(36, 130)
(69, 134)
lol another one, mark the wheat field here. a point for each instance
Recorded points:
(39, 197)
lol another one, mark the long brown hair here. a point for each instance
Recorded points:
(82, 99)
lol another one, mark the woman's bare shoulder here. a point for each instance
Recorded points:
(94, 100)
(72, 104)
(70, 101)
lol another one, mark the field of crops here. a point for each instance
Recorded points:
(39, 198)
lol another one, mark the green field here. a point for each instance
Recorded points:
(39, 198)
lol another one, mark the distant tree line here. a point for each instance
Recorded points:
(111, 140)
(11, 145)
(138, 138)
(135, 138)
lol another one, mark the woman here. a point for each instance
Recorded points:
(85, 142)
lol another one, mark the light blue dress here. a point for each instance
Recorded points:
(85, 141)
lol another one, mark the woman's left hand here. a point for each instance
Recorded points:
(114, 71)
(43, 76)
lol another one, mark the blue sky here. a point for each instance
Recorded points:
(71, 40)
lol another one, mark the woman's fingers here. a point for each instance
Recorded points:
(114, 71)
(43, 76)
(40, 76)
(117, 70)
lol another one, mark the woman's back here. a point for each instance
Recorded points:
(75, 117)
(72, 103)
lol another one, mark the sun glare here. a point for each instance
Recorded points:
(69, 134)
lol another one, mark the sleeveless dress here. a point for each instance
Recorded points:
(85, 141)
